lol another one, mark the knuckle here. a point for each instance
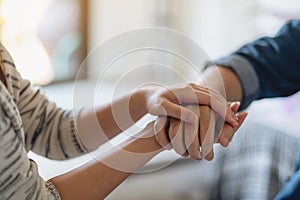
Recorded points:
(161, 102)
(205, 109)
(192, 85)
(229, 129)
(177, 112)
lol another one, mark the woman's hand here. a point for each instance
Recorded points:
(160, 101)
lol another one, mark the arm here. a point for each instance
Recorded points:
(266, 67)
(49, 131)
(60, 134)
(94, 180)
(19, 175)
(225, 81)
(97, 178)
(98, 125)
(186, 139)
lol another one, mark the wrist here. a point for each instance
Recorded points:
(133, 154)
(147, 145)
(216, 85)
(145, 141)
(223, 80)
(138, 104)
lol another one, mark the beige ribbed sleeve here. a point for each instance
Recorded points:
(28, 121)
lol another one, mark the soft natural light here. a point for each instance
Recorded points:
(19, 24)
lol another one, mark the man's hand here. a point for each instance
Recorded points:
(197, 140)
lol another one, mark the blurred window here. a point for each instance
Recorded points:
(46, 38)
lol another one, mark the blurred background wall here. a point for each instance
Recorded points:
(61, 33)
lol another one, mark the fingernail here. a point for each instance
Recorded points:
(238, 103)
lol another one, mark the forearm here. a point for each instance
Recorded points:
(96, 125)
(223, 80)
(267, 67)
(97, 178)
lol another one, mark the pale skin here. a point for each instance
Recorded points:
(97, 178)
(203, 134)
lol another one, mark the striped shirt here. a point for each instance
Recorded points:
(29, 122)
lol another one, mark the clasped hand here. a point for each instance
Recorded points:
(192, 118)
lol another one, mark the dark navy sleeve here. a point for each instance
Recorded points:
(269, 66)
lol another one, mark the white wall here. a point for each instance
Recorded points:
(217, 25)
